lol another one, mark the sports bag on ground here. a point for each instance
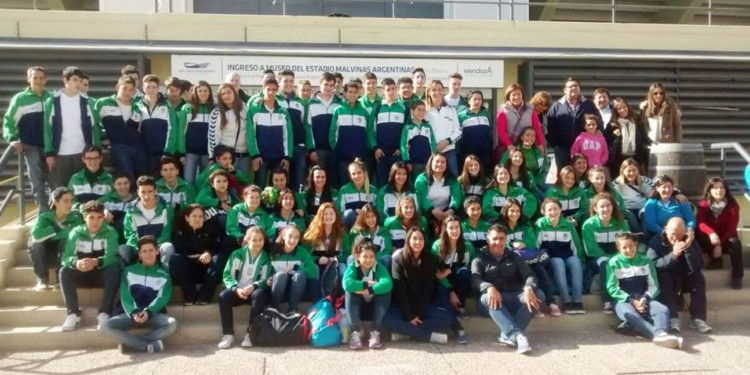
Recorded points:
(273, 328)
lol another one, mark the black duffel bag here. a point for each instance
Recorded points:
(273, 328)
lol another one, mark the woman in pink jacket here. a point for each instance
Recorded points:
(513, 117)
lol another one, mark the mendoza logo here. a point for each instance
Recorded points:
(191, 65)
(480, 71)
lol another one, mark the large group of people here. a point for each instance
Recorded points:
(410, 201)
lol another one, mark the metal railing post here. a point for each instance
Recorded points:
(710, 8)
(723, 159)
(614, 4)
(21, 203)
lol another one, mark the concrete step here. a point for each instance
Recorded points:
(16, 233)
(21, 258)
(191, 332)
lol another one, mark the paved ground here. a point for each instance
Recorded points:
(587, 352)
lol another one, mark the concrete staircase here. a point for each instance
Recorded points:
(31, 320)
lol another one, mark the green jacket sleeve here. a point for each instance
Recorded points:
(456, 195)
(206, 198)
(433, 142)
(529, 237)
(190, 195)
(350, 283)
(128, 304)
(182, 119)
(308, 265)
(405, 143)
(309, 142)
(69, 257)
(10, 131)
(530, 204)
(435, 250)
(242, 177)
(613, 285)
(488, 211)
(128, 231)
(174, 129)
(380, 203)
(162, 298)
(233, 226)
(577, 242)
(289, 139)
(166, 230)
(333, 131)
(421, 189)
(44, 229)
(387, 245)
(591, 247)
(49, 148)
(229, 270)
(110, 253)
(384, 285)
(471, 252)
(370, 129)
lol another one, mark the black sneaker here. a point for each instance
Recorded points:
(569, 308)
(625, 329)
(736, 283)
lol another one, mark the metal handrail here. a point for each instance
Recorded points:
(722, 147)
(18, 191)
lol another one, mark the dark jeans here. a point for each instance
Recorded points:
(600, 265)
(357, 309)
(452, 160)
(383, 168)
(694, 283)
(36, 165)
(298, 166)
(434, 319)
(544, 282)
(187, 272)
(292, 287)
(733, 246)
(327, 161)
(44, 255)
(152, 166)
(653, 322)
(66, 166)
(228, 299)
(562, 157)
(261, 176)
(159, 326)
(513, 316)
(129, 159)
(460, 279)
(71, 279)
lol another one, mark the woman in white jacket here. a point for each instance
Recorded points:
(635, 190)
(227, 126)
(444, 121)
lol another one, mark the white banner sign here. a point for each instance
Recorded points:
(213, 69)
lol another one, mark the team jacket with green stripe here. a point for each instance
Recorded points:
(589, 195)
(370, 105)
(243, 270)
(352, 199)
(340, 251)
(535, 163)
(476, 235)
(397, 231)
(178, 197)
(351, 133)
(477, 136)
(300, 259)
(319, 116)
(494, 200)
(24, 119)
(208, 199)
(145, 289)
(116, 206)
(116, 129)
(475, 187)
(87, 186)
(202, 180)
(571, 202)
(311, 205)
(381, 239)
(102, 246)
(269, 133)
(631, 279)
(522, 233)
(301, 134)
(193, 134)
(239, 219)
(355, 279)
(561, 241)
(136, 225)
(452, 259)
(417, 142)
(598, 240)
(387, 199)
(422, 188)
(159, 127)
(53, 126)
(388, 120)
(47, 227)
(275, 222)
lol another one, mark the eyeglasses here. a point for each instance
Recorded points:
(658, 93)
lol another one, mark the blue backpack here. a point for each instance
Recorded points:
(324, 327)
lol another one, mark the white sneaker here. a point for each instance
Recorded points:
(522, 344)
(101, 320)
(700, 325)
(607, 308)
(71, 322)
(674, 324)
(40, 286)
(439, 338)
(246, 343)
(667, 341)
(226, 341)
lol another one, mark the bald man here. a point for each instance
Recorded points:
(235, 80)
(678, 262)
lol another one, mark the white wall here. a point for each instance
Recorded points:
(473, 10)
(146, 6)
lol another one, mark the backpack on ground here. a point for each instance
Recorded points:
(273, 328)
(324, 323)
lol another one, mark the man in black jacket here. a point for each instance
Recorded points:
(679, 260)
(566, 119)
(507, 289)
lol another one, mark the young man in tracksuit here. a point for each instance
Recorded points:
(159, 125)
(302, 135)
(23, 128)
(145, 290)
(171, 188)
(90, 259)
(69, 126)
(120, 119)
(351, 135)
(270, 139)
(117, 202)
(678, 262)
(149, 216)
(370, 100)
(93, 182)
(388, 122)
(319, 114)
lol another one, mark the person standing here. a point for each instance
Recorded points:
(444, 120)
(159, 124)
(227, 126)
(269, 134)
(302, 136)
(69, 126)
(661, 115)
(566, 119)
